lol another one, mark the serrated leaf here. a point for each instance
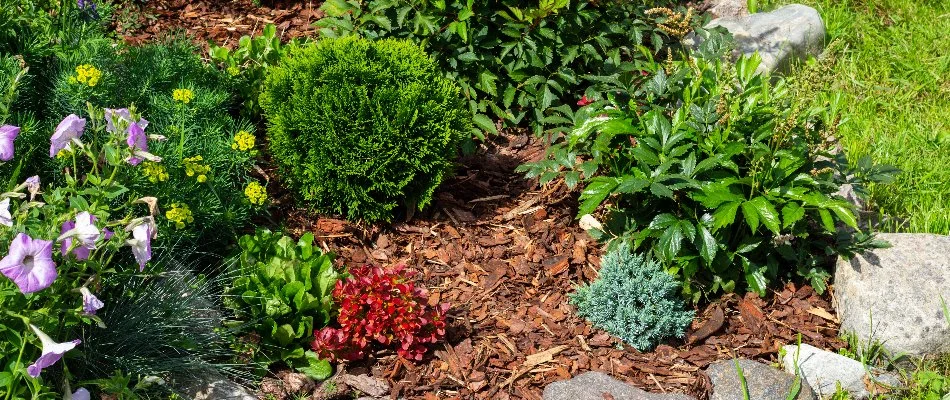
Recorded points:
(767, 213)
(595, 193)
(844, 213)
(706, 244)
(484, 123)
(724, 215)
(751, 215)
(670, 242)
(792, 213)
(826, 219)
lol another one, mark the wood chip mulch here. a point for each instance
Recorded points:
(506, 253)
(222, 22)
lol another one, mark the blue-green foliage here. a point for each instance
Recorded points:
(634, 300)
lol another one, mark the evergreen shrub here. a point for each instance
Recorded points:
(634, 299)
(361, 127)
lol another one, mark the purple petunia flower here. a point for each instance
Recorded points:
(70, 128)
(137, 141)
(121, 115)
(33, 185)
(52, 352)
(141, 244)
(90, 303)
(84, 230)
(5, 217)
(81, 394)
(8, 134)
(29, 263)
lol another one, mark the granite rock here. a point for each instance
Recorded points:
(763, 382)
(782, 37)
(824, 371)
(594, 386)
(893, 295)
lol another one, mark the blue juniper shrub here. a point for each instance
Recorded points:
(634, 299)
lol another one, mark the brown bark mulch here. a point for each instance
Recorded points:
(505, 254)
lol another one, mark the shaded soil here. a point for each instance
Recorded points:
(222, 22)
(506, 253)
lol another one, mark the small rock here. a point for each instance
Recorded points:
(763, 382)
(298, 383)
(369, 385)
(214, 386)
(899, 290)
(824, 370)
(598, 386)
(782, 37)
(727, 8)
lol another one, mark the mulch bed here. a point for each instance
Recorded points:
(505, 254)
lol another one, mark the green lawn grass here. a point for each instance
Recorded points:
(895, 76)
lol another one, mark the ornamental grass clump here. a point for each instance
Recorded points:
(362, 128)
(634, 299)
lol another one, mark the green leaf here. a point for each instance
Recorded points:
(766, 211)
(755, 277)
(707, 244)
(595, 193)
(632, 184)
(662, 221)
(670, 242)
(725, 215)
(792, 213)
(751, 215)
(844, 213)
(485, 123)
(827, 220)
(316, 368)
(661, 190)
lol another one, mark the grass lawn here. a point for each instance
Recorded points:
(895, 77)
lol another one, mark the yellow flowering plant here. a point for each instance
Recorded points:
(86, 74)
(155, 172)
(244, 141)
(194, 167)
(180, 214)
(183, 95)
(256, 193)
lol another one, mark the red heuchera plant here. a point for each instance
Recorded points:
(382, 306)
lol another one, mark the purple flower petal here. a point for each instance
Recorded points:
(52, 352)
(70, 128)
(29, 263)
(90, 303)
(5, 217)
(8, 134)
(33, 185)
(81, 394)
(141, 243)
(137, 141)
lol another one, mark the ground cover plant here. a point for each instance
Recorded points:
(728, 180)
(204, 180)
(361, 128)
(894, 83)
(514, 60)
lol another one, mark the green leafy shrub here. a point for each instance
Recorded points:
(247, 64)
(281, 292)
(729, 180)
(634, 300)
(514, 59)
(203, 176)
(360, 128)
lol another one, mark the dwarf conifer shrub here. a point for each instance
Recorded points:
(361, 128)
(634, 299)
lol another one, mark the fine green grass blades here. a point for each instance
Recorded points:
(895, 77)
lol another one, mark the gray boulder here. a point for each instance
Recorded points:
(727, 8)
(214, 386)
(824, 371)
(763, 382)
(782, 37)
(894, 295)
(594, 386)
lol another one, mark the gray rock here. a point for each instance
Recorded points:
(593, 386)
(372, 386)
(893, 295)
(782, 37)
(824, 370)
(214, 386)
(763, 382)
(727, 8)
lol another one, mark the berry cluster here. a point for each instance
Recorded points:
(382, 306)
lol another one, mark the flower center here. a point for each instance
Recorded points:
(28, 263)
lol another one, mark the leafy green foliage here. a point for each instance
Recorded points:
(515, 60)
(148, 77)
(634, 300)
(248, 62)
(729, 180)
(362, 127)
(282, 290)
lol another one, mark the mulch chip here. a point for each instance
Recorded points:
(506, 254)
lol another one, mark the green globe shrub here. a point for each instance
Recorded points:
(361, 128)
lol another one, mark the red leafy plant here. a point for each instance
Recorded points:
(382, 306)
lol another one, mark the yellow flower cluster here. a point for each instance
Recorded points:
(180, 214)
(194, 167)
(256, 193)
(155, 172)
(234, 71)
(243, 141)
(183, 95)
(86, 74)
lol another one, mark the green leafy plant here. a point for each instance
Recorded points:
(729, 180)
(281, 292)
(515, 60)
(633, 299)
(248, 63)
(362, 127)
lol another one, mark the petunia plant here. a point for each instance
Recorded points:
(64, 242)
